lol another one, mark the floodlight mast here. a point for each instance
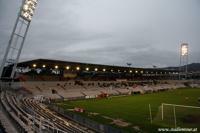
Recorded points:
(183, 67)
(17, 38)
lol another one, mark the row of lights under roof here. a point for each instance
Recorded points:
(96, 69)
(87, 68)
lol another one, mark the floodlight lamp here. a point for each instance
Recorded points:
(33, 1)
(184, 50)
(34, 65)
(104, 69)
(31, 12)
(25, 7)
(136, 71)
(30, 17)
(27, 2)
(56, 67)
(33, 7)
(77, 68)
(67, 67)
(24, 14)
(87, 69)
(28, 9)
(96, 69)
(130, 71)
(43, 66)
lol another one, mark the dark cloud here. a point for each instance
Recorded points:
(144, 32)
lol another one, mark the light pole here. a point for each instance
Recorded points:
(130, 71)
(183, 67)
(17, 38)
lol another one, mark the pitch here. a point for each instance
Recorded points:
(131, 113)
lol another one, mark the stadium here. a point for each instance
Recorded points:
(91, 97)
(59, 96)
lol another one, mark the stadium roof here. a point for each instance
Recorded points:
(48, 63)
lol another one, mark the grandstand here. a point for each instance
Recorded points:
(31, 116)
(71, 90)
(27, 102)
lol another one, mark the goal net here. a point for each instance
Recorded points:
(173, 115)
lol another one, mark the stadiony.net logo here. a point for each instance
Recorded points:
(177, 129)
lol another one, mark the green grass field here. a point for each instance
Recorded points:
(135, 109)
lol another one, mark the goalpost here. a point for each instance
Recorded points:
(175, 107)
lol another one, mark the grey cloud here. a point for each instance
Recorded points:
(144, 32)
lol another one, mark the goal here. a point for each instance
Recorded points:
(173, 115)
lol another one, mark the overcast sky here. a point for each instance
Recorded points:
(143, 32)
